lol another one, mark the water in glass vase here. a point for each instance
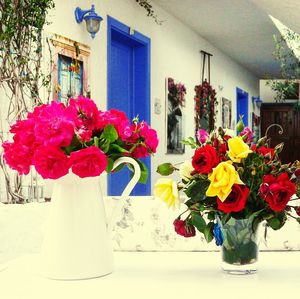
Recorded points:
(240, 247)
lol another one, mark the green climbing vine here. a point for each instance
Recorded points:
(21, 69)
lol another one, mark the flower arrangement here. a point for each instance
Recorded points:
(56, 138)
(230, 177)
(205, 103)
(176, 93)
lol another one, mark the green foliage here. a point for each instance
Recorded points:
(21, 25)
(198, 221)
(165, 169)
(289, 66)
(109, 133)
(191, 142)
(196, 191)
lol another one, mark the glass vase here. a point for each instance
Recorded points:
(240, 247)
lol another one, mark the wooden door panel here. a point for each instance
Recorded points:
(285, 116)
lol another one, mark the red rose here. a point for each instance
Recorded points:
(88, 162)
(266, 151)
(298, 211)
(50, 162)
(222, 151)
(277, 191)
(181, 228)
(235, 201)
(204, 159)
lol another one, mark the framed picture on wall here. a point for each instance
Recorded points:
(70, 68)
(175, 101)
(226, 113)
(256, 126)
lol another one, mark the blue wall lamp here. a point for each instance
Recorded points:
(91, 18)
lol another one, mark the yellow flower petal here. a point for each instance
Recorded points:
(222, 179)
(166, 190)
(238, 149)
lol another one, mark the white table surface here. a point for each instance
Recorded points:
(160, 275)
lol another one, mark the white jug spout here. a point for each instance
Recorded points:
(134, 180)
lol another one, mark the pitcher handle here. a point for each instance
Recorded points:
(134, 180)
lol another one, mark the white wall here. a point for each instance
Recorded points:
(267, 95)
(174, 53)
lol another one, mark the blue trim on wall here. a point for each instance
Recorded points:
(142, 46)
(242, 102)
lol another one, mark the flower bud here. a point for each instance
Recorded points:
(240, 125)
(165, 169)
(261, 141)
(278, 148)
(186, 170)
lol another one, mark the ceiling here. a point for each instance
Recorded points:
(241, 29)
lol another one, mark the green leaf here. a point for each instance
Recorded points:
(109, 165)
(276, 222)
(165, 169)
(209, 232)
(144, 172)
(105, 146)
(96, 141)
(110, 133)
(118, 148)
(197, 190)
(198, 221)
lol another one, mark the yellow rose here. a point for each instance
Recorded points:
(185, 170)
(238, 149)
(166, 189)
(221, 180)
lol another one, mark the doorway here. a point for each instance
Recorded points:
(128, 89)
(289, 119)
(242, 99)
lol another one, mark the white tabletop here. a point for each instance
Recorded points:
(155, 275)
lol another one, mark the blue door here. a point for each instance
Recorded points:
(128, 69)
(242, 105)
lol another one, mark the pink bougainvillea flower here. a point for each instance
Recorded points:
(18, 156)
(54, 125)
(50, 162)
(88, 162)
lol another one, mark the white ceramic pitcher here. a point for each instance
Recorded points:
(77, 242)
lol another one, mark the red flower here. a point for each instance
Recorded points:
(18, 156)
(204, 159)
(222, 151)
(88, 162)
(265, 151)
(277, 191)
(298, 211)
(235, 201)
(50, 162)
(183, 229)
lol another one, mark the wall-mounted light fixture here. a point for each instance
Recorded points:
(257, 101)
(91, 18)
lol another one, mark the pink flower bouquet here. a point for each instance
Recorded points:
(55, 139)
